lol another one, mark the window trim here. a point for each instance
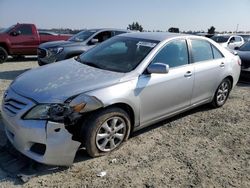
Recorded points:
(213, 46)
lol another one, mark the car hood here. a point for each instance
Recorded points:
(58, 81)
(60, 43)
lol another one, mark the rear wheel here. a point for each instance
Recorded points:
(222, 93)
(105, 131)
(3, 55)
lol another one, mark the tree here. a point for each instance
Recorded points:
(211, 30)
(135, 26)
(174, 30)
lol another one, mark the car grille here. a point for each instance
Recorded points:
(41, 53)
(12, 106)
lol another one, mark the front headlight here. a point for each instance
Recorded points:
(56, 50)
(38, 112)
(71, 109)
(54, 112)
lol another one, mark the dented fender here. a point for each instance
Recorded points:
(90, 103)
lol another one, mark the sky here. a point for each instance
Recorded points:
(196, 15)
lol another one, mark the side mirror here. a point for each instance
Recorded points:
(15, 33)
(237, 48)
(94, 41)
(158, 68)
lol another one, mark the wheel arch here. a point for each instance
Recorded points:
(5, 46)
(128, 109)
(231, 80)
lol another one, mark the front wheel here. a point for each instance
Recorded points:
(222, 93)
(3, 55)
(105, 131)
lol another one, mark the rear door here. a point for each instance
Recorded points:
(208, 63)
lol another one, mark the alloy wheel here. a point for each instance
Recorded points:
(111, 134)
(222, 93)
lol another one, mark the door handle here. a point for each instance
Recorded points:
(222, 64)
(188, 74)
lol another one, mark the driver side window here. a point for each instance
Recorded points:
(174, 54)
(25, 30)
(103, 36)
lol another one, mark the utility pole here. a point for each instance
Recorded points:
(237, 28)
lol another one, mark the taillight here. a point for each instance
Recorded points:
(239, 62)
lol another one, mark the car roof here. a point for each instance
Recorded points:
(159, 36)
(106, 29)
(226, 35)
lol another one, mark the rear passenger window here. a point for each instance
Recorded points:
(201, 50)
(217, 53)
(174, 54)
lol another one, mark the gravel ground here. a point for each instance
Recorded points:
(204, 147)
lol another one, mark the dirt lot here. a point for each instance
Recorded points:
(204, 147)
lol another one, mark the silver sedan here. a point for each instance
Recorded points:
(124, 84)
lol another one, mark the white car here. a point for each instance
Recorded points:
(229, 41)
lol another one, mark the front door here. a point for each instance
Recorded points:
(25, 42)
(163, 94)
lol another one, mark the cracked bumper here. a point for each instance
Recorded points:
(58, 146)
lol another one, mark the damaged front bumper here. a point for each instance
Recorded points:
(45, 142)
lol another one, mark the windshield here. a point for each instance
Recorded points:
(220, 39)
(245, 47)
(82, 36)
(7, 29)
(119, 54)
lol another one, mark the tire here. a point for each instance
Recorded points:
(3, 55)
(105, 131)
(40, 63)
(222, 93)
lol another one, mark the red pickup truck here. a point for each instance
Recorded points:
(23, 39)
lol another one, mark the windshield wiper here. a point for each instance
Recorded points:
(92, 64)
(77, 58)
